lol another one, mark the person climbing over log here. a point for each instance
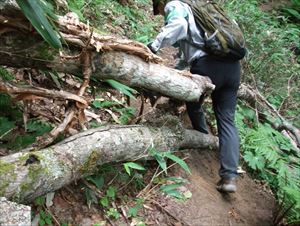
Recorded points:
(181, 29)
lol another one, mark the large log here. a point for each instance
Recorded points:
(120, 66)
(126, 61)
(25, 176)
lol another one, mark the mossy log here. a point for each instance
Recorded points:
(27, 175)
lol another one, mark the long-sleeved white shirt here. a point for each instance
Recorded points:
(181, 29)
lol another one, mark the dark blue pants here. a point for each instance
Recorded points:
(225, 75)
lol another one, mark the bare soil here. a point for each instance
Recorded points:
(250, 205)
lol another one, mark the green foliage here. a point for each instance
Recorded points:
(97, 180)
(271, 64)
(162, 156)
(5, 126)
(77, 7)
(292, 11)
(132, 165)
(170, 187)
(99, 103)
(133, 211)
(133, 22)
(272, 157)
(9, 109)
(5, 75)
(124, 113)
(40, 14)
(113, 212)
(19, 140)
(45, 219)
(122, 88)
(40, 201)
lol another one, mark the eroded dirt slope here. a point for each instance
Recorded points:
(251, 205)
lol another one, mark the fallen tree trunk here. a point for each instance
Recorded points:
(126, 68)
(25, 176)
(126, 61)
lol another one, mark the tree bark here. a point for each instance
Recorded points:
(126, 61)
(125, 68)
(25, 176)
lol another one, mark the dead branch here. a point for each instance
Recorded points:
(48, 139)
(254, 97)
(21, 93)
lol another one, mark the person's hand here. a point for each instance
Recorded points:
(151, 48)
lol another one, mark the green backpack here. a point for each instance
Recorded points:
(222, 35)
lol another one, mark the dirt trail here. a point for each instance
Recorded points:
(250, 205)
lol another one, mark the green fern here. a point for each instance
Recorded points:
(5, 75)
(21, 139)
(268, 153)
(9, 109)
(5, 126)
(5, 101)
(38, 127)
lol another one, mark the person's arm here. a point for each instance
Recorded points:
(176, 28)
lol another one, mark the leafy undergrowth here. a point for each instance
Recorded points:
(271, 157)
(134, 21)
(272, 64)
(115, 195)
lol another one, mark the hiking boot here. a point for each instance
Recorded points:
(227, 185)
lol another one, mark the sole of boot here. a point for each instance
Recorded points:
(229, 188)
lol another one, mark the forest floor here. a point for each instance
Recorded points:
(253, 204)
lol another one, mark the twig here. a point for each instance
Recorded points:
(23, 92)
(288, 93)
(123, 212)
(86, 70)
(7, 132)
(168, 212)
(149, 184)
(109, 183)
(99, 195)
(137, 119)
(53, 217)
(124, 186)
(248, 94)
(92, 187)
(155, 175)
(286, 125)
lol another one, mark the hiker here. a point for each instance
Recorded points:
(180, 29)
